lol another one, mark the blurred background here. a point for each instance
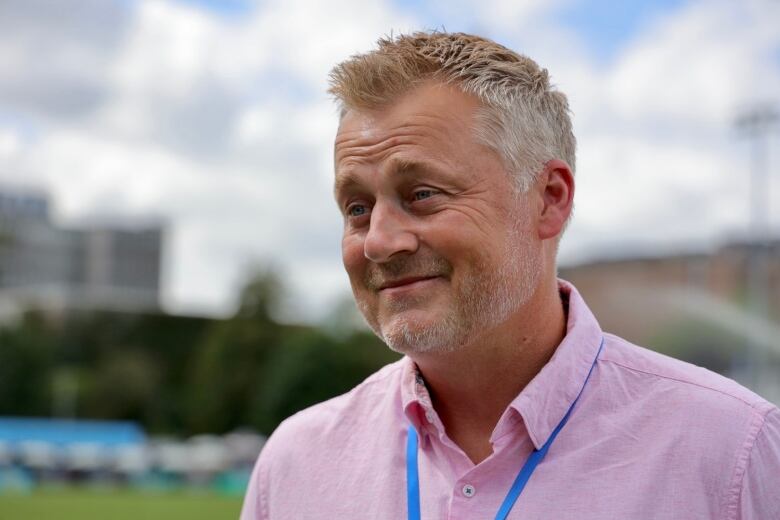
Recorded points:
(170, 276)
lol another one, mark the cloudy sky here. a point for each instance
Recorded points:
(212, 115)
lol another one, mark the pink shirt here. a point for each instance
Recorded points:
(651, 437)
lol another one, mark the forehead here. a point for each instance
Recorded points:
(434, 119)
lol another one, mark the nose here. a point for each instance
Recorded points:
(388, 234)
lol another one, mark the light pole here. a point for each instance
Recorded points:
(756, 124)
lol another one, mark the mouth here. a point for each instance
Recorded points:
(407, 282)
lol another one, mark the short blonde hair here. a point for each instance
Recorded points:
(525, 120)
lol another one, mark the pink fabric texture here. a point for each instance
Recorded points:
(650, 438)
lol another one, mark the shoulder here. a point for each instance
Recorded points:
(329, 438)
(694, 421)
(664, 377)
(336, 420)
(759, 474)
(679, 403)
(682, 407)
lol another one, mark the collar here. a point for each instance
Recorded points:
(545, 400)
(416, 400)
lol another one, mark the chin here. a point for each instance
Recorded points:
(407, 335)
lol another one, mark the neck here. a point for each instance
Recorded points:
(471, 387)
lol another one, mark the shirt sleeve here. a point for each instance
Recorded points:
(760, 495)
(252, 508)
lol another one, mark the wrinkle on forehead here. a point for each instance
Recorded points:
(379, 144)
(374, 140)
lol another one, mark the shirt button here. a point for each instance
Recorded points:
(469, 491)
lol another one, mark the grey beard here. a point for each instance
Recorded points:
(487, 301)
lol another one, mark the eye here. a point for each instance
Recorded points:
(356, 210)
(423, 194)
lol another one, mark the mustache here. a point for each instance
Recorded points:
(405, 267)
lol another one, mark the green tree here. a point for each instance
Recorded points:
(124, 385)
(26, 361)
(253, 371)
(230, 360)
(310, 366)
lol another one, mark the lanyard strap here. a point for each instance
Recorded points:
(413, 478)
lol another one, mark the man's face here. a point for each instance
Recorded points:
(438, 246)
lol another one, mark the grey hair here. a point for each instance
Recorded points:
(524, 118)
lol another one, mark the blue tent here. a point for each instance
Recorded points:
(65, 432)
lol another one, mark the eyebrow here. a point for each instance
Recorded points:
(409, 166)
(398, 166)
(343, 182)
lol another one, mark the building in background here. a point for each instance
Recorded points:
(104, 266)
(695, 306)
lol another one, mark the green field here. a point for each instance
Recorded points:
(84, 504)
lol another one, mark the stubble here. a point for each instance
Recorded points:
(484, 300)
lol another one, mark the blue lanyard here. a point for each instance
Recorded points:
(413, 477)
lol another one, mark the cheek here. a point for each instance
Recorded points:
(471, 253)
(352, 255)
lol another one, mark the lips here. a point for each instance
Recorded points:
(403, 270)
(391, 284)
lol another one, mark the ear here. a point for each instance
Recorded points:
(556, 187)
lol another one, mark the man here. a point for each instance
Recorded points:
(454, 172)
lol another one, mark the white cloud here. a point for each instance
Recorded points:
(221, 126)
(169, 50)
(700, 64)
(659, 162)
(10, 145)
(255, 124)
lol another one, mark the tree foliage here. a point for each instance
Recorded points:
(26, 360)
(183, 375)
